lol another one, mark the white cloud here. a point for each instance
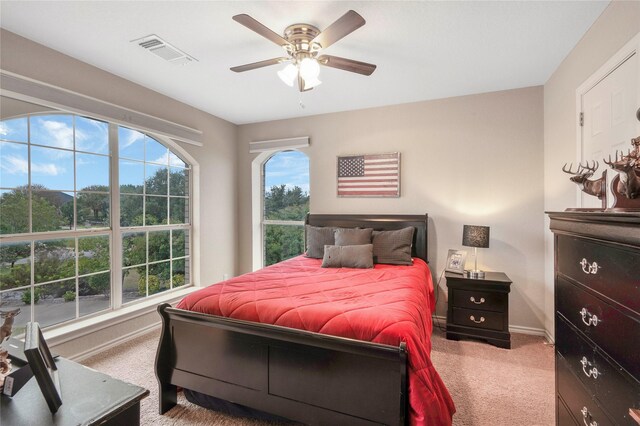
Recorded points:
(4, 129)
(60, 133)
(131, 137)
(15, 165)
(171, 158)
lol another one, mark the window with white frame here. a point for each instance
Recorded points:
(285, 197)
(62, 217)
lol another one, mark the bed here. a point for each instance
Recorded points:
(335, 371)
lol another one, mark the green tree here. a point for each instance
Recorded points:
(14, 211)
(283, 241)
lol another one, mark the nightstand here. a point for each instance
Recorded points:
(479, 308)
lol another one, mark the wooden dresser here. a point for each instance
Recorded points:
(597, 317)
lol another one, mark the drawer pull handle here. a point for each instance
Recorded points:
(473, 299)
(589, 268)
(593, 372)
(585, 414)
(593, 319)
(472, 318)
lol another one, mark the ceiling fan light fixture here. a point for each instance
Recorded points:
(310, 84)
(288, 74)
(309, 69)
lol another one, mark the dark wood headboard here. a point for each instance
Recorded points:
(379, 222)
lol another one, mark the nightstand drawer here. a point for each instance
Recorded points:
(611, 270)
(484, 300)
(478, 319)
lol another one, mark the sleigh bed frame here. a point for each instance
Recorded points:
(303, 376)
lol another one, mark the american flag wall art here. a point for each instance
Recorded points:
(375, 175)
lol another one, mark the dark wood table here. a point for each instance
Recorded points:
(88, 398)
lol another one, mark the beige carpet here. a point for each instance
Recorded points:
(490, 386)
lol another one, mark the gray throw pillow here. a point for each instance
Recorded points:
(360, 256)
(317, 238)
(393, 247)
(353, 236)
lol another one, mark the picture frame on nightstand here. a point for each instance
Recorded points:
(455, 261)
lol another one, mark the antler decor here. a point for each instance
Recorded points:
(628, 166)
(581, 177)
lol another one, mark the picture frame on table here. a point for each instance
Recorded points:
(455, 261)
(42, 365)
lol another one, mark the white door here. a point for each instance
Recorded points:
(609, 118)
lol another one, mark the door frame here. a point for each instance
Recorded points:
(631, 48)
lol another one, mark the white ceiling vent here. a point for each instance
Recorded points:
(161, 48)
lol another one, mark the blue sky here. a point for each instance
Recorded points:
(290, 168)
(53, 166)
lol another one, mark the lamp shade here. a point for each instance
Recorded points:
(475, 236)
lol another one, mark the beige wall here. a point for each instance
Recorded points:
(217, 157)
(466, 160)
(616, 26)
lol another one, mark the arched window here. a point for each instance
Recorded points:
(285, 196)
(61, 216)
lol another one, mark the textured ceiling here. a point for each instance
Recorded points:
(423, 50)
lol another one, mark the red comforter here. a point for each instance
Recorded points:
(387, 304)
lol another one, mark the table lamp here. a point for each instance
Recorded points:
(475, 236)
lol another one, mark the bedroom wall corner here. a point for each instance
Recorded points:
(617, 24)
(216, 158)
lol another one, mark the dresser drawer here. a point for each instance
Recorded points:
(614, 332)
(578, 401)
(484, 300)
(563, 417)
(611, 270)
(614, 389)
(479, 319)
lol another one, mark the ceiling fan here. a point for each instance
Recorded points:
(303, 43)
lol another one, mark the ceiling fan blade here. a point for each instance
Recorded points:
(254, 65)
(346, 24)
(347, 64)
(256, 26)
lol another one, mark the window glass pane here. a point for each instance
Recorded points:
(51, 168)
(93, 210)
(92, 172)
(55, 303)
(134, 284)
(158, 245)
(52, 130)
(179, 181)
(14, 299)
(159, 279)
(131, 177)
(14, 165)
(286, 185)
(131, 210)
(95, 293)
(92, 135)
(282, 242)
(14, 211)
(15, 265)
(134, 248)
(51, 211)
(93, 254)
(181, 273)
(130, 143)
(156, 210)
(14, 129)
(156, 152)
(174, 160)
(180, 243)
(54, 259)
(179, 210)
(156, 179)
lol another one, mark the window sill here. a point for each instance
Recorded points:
(65, 333)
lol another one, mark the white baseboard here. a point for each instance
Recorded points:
(512, 329)
(108, 345)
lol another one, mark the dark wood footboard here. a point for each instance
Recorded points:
(307, 377)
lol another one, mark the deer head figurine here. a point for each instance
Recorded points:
(581, 178)
(628, 166)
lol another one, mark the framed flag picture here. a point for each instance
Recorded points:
(369, 175)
